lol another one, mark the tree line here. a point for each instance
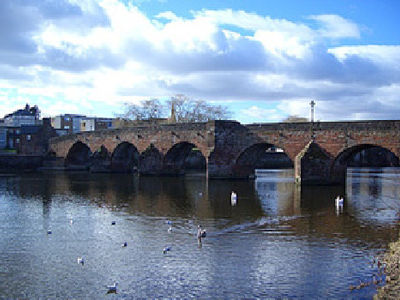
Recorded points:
(183, 108)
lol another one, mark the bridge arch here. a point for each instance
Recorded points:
(151, 161)
(362, 155)
(260, 156)
(182, 157)
(125, 158)
(78, 156)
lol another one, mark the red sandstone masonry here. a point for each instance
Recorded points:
(222, 142)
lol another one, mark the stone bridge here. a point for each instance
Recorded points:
(320, 152)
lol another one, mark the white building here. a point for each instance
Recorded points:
(91, 124)
(68, 123)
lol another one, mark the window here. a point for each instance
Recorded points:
(66, 126)
(17, 131)
(28, 137)
(17, 141)
(66, 118)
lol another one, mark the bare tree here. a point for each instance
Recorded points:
(190, 110)
(185, 110)
(148, 110)
(295, 119)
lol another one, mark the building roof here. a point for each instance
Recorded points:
(27, 111)
(71, 116)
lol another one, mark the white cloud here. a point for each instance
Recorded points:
(336, 27)
(258, 114)
(381, 54)
(116, 53)
(168, 15)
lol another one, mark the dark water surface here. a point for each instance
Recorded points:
(279, 241)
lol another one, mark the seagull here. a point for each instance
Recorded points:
(124, 244)
(80, 261)
(233, 198)
(71, 221)
(48, 231)
(113, 223)
(112, 288)
(166, 249)
(170, 229)
(201, 233)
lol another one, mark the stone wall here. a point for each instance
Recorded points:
(20, 162)
(318, 150)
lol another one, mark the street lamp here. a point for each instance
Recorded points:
(312, 104)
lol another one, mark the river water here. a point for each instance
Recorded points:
(277, 242)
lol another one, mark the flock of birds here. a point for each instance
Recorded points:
(201, 234)
(81, 261)
(110, 288)
(376, 278)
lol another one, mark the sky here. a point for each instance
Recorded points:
(264, 60)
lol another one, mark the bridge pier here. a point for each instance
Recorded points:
(313, 166)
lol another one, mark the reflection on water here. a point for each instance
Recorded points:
(373, 194)
(277, 193)
(278, 241)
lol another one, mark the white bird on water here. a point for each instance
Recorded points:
(112, 288)
(233, 198)
(339, 205)
(201, 233)
(81, 261)
(339, 201)
(170, 226)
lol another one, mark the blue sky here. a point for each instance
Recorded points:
(264, 60)
(377, 16)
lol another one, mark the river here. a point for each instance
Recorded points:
(279, 241)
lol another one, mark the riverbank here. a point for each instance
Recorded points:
(20, 163)
(391, 260)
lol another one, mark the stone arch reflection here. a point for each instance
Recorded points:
(277, 193)
(372, 194)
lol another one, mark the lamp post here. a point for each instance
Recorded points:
(312, 104)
